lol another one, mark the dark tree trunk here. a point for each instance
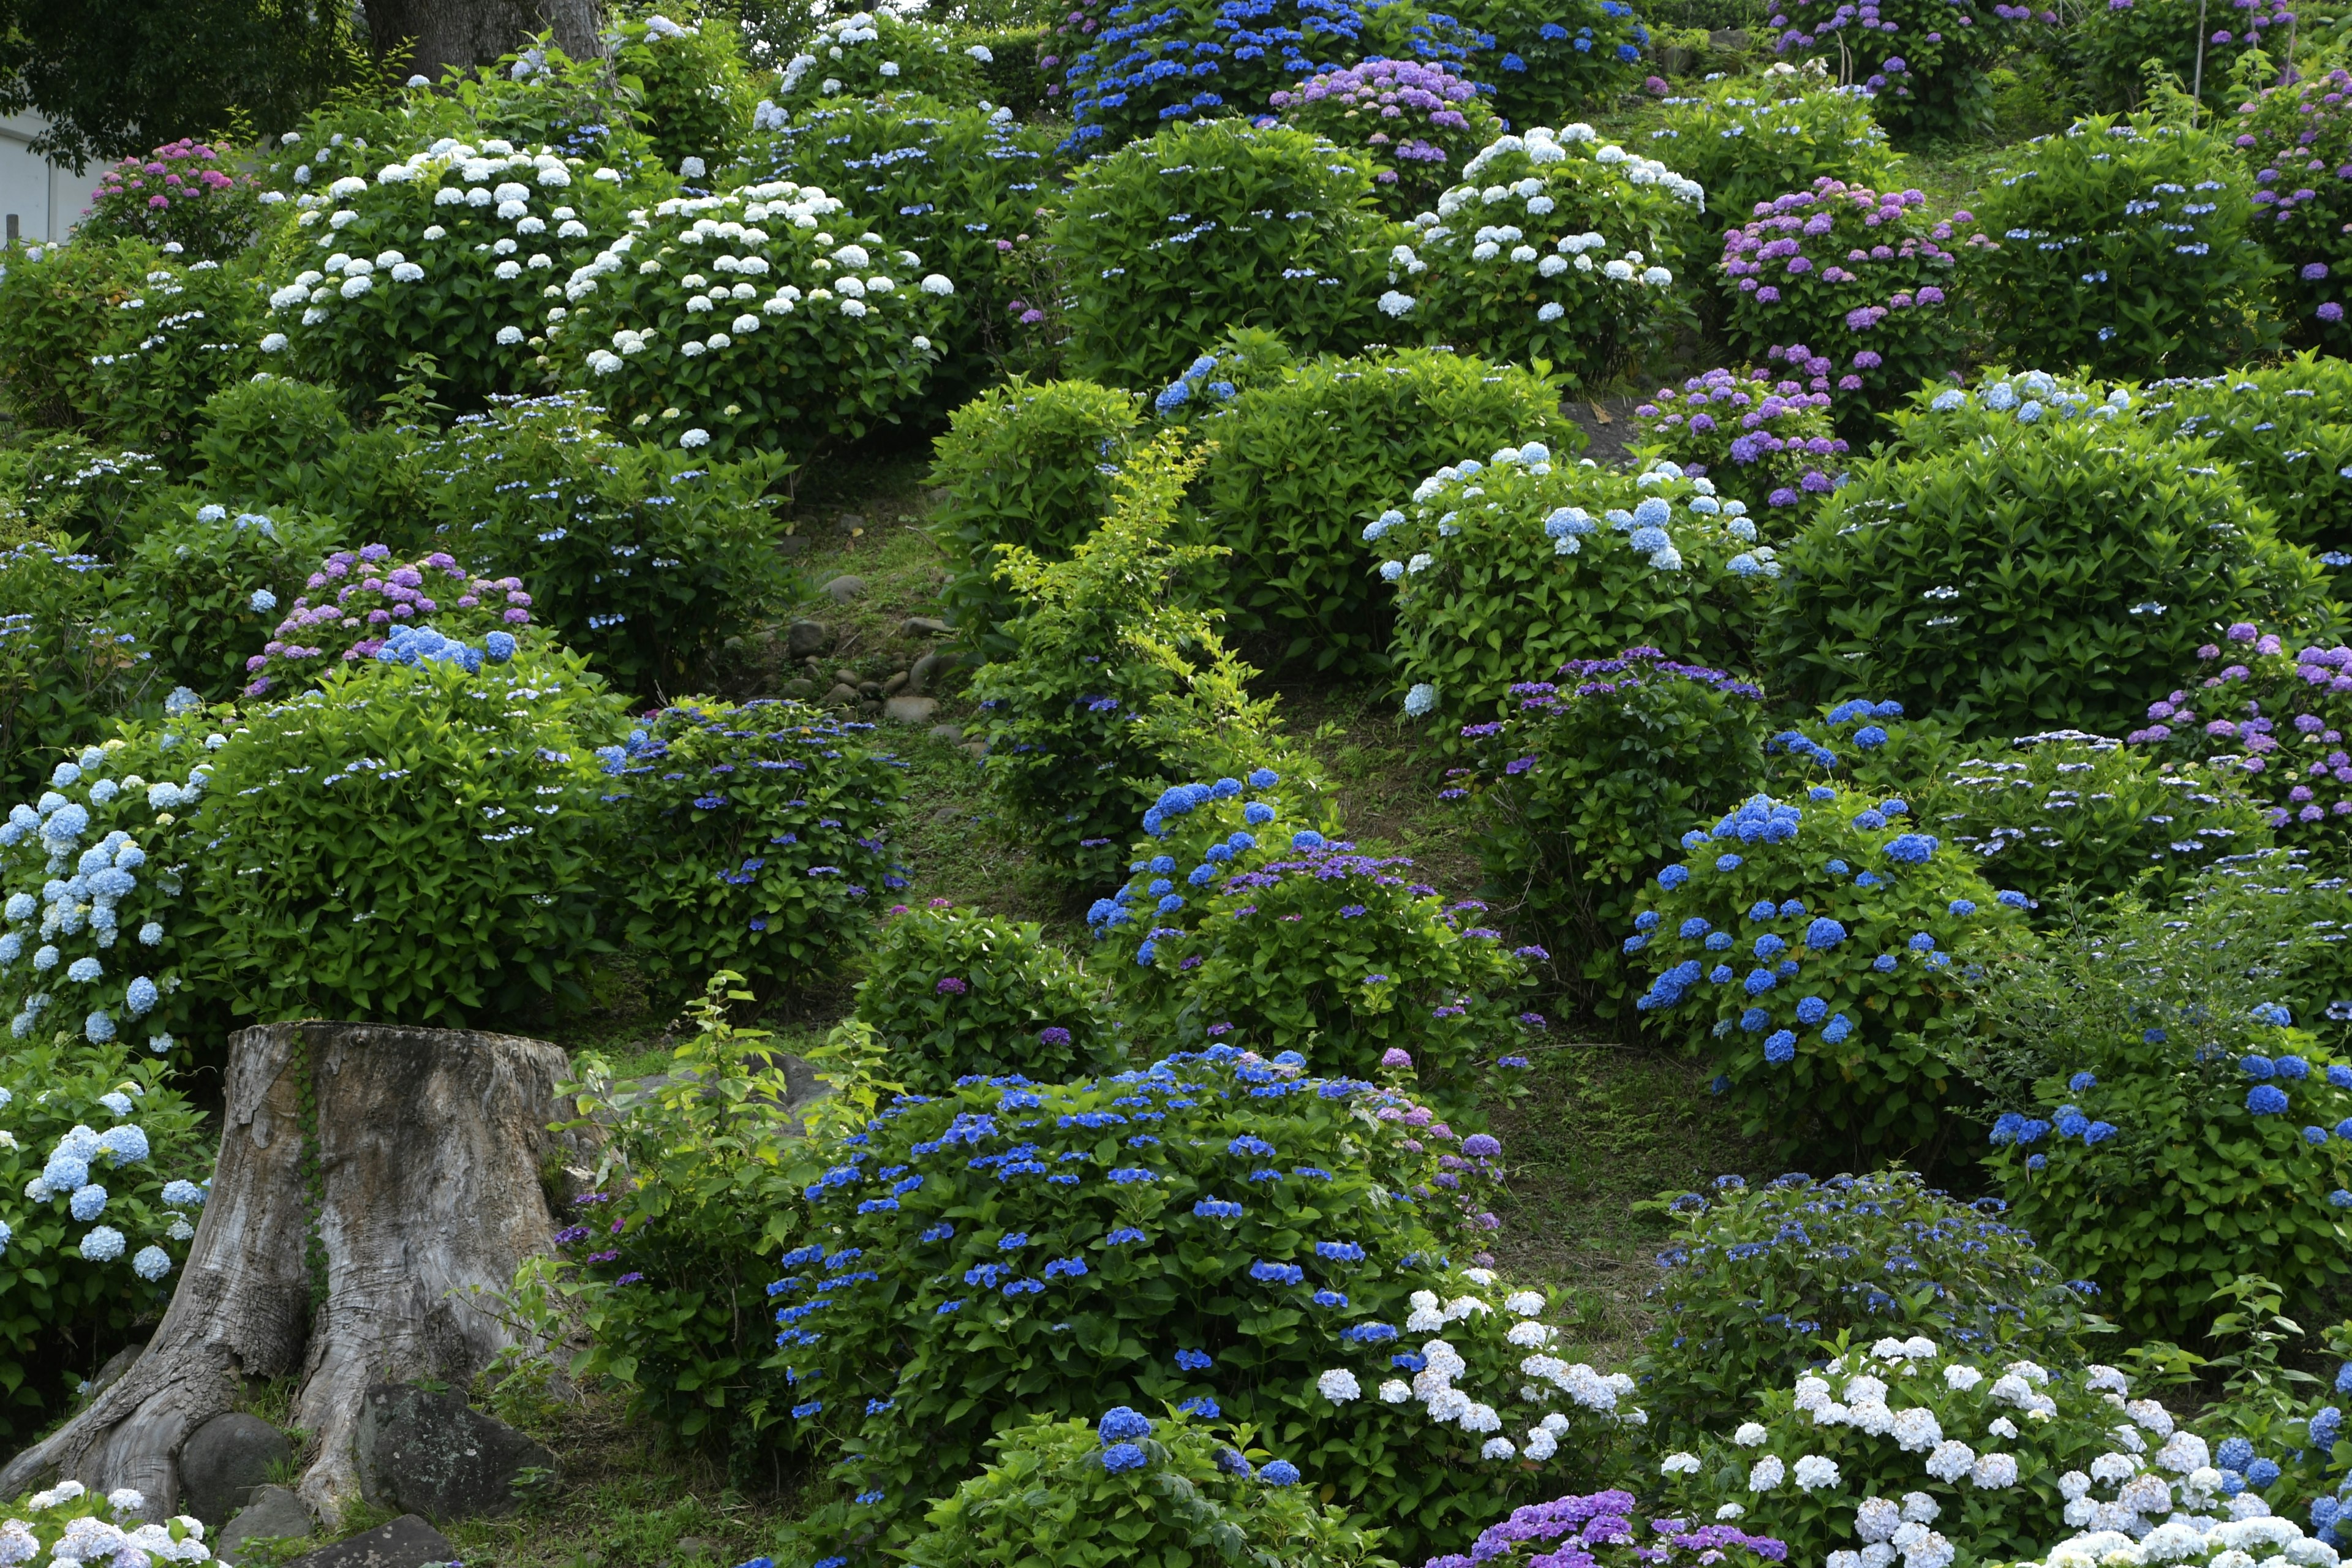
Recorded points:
(429, 35)
(424, 1197)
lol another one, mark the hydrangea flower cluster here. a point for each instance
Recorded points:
(1749, 139)
(1548, 60)
(2298, 140)
(69, 1522)
(1928, 63)
(2193, 1540)
(1559, 246)
(1801, 945)
(1417, 123)
(1770, 443)
(374, 595)
(869, 52)
(185, 193)
(1852, 287)
(1599, 1530)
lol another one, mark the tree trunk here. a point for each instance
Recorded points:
(425, 1195)
(435, 34)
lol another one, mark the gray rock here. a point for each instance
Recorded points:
(977, 748)
(849, 522)
(428, 1453)
(792, 544)
(842, 590)
(928, 673)
(275, 1513)
(910, 709)
(848, 678)
(926, 627)
(890, 686)
(948, 732)
(801, 687)
(840, 696)
(407, 1542)
(1727, 40)
(805, 638)
(224, 1459)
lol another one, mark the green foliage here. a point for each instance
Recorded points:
(70, 1289)
(1174, 240)
(746, 838)
(1007, 56)
(103, 869)
(1050, 1250)
(68, 665)
(188, 196)
(1827, 302)
(2284, 427)
(2032, 579)
(1301, 943)
(1028, 464)
(954, 993)
(1757, 1278)
(1048, 1488)
(207, 588)
(57, 304)
(185, 333)
(1810, 954)
(1417, 123)
(1591, 781)
(1747, 140)
(1114, 686)
(1586, 286)
(1933, 80)
(694, 92)
(411, 841)
(645, 558)
(2112, 48)
(2123, 247)
(1768, 443)
(1304, 458)
(1504, 572)
(272, 441)
(73, 493)
(698, 363)
(2303, 221)
(1549, 63)
(867, 52)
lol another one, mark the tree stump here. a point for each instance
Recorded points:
(374, 1183)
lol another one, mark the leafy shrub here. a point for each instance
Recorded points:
(1306, 458)
(2031, 579)
(207, 589)
(1007, 54)
(1114, 686)
(436, 748)
(645, 558)
(1932, 71)
(1125, 77)
(98, 1217)
(274, 442)
(695, 97)
(958, 184)
(750, 836)
(113, 918)
(1747, 140)
(445, 252)
(182, 335)
(1026, 464)
(2112, 46)
(2295, 136)
(954, 993)
(1873, 1441)
(1769, 443)
(1757, 1277)
(2125, 248)
(1503, 570)
(57, 304)
(69, 492)
(1608, 227)
(1591, 779)
(868, 52)
(1193, 1262)
(1548, 63)
(1867, 297)
(67, 665)
(2282, 427)
(1416, 123)
(1808, 952)
(795, 370)
(1174, 240)
(372, 594)
(1302, 943)
(1133, 1490)
(186, 194)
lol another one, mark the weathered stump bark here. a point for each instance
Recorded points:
(355, 1236)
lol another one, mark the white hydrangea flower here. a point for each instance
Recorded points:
(1961, 1378)
(1751, 1435)
(1766, 1473)
(1339, 1385)
(1950, 1461)
(1679, 1464)
(1395, 1391)
(1814, 1472)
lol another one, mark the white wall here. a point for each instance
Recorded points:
(46, 199)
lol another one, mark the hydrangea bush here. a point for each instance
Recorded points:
(1418, 124)
(2297, 137)
(1807, 950)
(68, 1518)
(363, 594)
(207, 586)
(694, 95)
(1768, 443)
(2124, 246)
(744, 321)
(1757, 1277)
(69, 662)
(1855, 287)
(1214, 226)
(1301, 941)
(867, 52)
(1601, 1529)
(1558, 249)
(953, 995)
(2111, 44)
(1930, 70)
(1747, 140)
(181, 332)
(1548, 62)
(746, 837)
(2031, 580)
(2282, 426)
(186, 193)
(1515, 567)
